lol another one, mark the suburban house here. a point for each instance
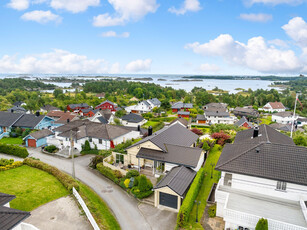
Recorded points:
(107, 105)
(184, 114)
(219, 117)
(243, 122)
(165, 149)
(88, 112)
(182, 121)
(74, 107)
(180, 106)
(274, 107)
(141, 107)
(132, 120)
(201, 119)
(100, 95)
(61, 117)
(104, 136)
(301, 121)
(245, 111)
(17, 120)
(283, 127)
(284, 117)
(38, 138)
(171, 190)
(19, 103)
(48, 108)
(17, 109)
(103, 116)
(216, 106)
(154, 102)
(263, 175)
(12, 219)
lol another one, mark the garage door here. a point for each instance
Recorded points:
(168, 200)
(31, 143)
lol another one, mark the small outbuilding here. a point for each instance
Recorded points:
(171, 190)
(38, 139)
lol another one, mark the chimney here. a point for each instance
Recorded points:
(68, 120)
(257, 150)
(139, 128)
(256, 132)
(37, 113)
(12, 110)
(149, 131)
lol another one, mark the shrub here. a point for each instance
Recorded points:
(212, 211)
(86, 146)
(126, 182)
(135, 191)
(262, 224)
(132, 173)
(12, 165)
(25, 133)
(197, 131)
(109, 173)
(205, 146)
(144, 184)
(221, 137)
(95, 160)
(65, 179)
(51, 149)
(118, 174)
(4, 162)
(91, 151)
(122, 184)
(188, 202)
(14, 150)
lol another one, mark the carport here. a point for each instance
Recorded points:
(171, 190)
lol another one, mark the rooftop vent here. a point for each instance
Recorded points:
(257, 150)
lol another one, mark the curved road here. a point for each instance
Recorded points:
(123, 206)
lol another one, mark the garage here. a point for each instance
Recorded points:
(32, 143)
(37, 139)
(168, 200)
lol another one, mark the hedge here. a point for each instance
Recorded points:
(109, 173)
(11, 166)
(65, 179)
(188, 202)
(14, 150)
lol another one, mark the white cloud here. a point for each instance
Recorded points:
(297, 30)
(110, 34)
(115, 68)
(41, 16)
(19, 4)
(57, 61)
(255, 55)
(188, 5)
(279, 42)
(274, 2)
(256, 17)
(206, 67)
(125, 11)
(74, 6)
(139, 65)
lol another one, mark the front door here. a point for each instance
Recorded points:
(4, 129)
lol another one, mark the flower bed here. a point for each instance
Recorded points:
(6, 164)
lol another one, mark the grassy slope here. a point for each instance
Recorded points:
(98, 208)
(31, 186)
(11, 140)
(266, 121)
(206, 187)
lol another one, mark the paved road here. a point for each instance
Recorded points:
(123, 206)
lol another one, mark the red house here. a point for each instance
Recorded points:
(185, 114)
(73, 107)
(243, 122)
(180, 106)
(88, 112)
(107, 105)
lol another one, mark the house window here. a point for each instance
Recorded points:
(100, 141)
(66, 139)
(119, 158)
(282, 186)
(90, 139)
(227, 179)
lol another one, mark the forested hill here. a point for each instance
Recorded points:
(263, 78)
(9, 84)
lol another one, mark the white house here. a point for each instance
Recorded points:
(132, 120)
(141, 107)
(103, 116)
(154, 102)
(284, 117)
(104, 136)
(274, 107)
(263, 175)
(301, 121)
(219, 117)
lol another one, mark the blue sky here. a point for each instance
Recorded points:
(153, 36)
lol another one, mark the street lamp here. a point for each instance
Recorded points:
(197, 203)
(212, 165)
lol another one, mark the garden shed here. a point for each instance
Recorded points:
(38, 139)
(171, 190)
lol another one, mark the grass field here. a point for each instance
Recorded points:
(31, 186)
(266, 120)
(11, 140)
(213, 157)
(150, 123)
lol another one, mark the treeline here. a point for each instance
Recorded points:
(264, 78)
(9, 84)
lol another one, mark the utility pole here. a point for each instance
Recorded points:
(296, 98)
(71, 153)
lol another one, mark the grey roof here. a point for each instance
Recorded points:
(146, 103)
(282, 127)
(178, 179)
(240, 122)
(142, 131)
(239, 111)
(179, 105)
(29, 120)
(5, 198)
(132, 118)
(181, 120)
(72, 106)
(155, 101)
(9, 218)
(183, 113)
(272, 155)
(18, 103)
(106, 101)
(175, 154)
(302, 119)
(283, 114)
(41, 134)
(8, 119)
(175, 134)
(216, 113)
(49, 108)
(216, 105)
(102, 120)
(17, 109)
(201, 117)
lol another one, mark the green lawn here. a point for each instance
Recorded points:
(205, 129)
(266, 120)
(11, 140)
(206, 187)
(150, 123)
(32, 187)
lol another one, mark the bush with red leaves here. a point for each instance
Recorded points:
(221, 137)
(197, 131)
